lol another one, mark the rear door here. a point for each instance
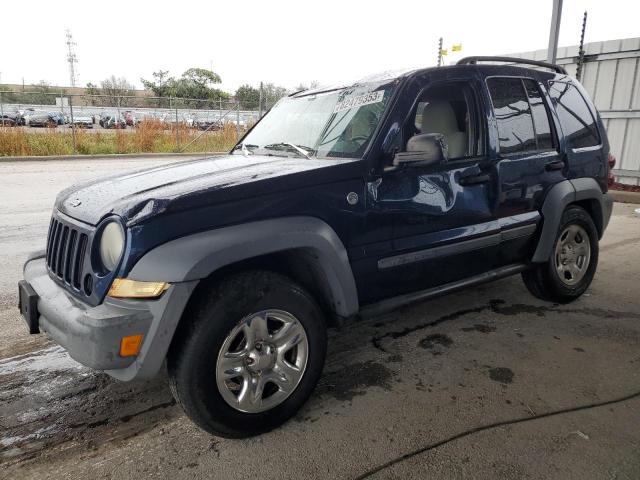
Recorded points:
(528, 163)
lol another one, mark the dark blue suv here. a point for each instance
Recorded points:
(339, 202)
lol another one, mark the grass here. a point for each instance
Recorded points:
(148, 137)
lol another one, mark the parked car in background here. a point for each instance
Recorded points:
(8, 119)
(25, 115)
(113, 120)
(130, 119)
(59, 117)
(206, 123)
(83, 121)
(43, 119)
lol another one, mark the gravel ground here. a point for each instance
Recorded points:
(486, 383)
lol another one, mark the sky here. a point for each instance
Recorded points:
(283, 42)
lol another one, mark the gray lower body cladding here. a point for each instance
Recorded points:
(92, 335)
(561, 195)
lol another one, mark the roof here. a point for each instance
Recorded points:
(468, 62)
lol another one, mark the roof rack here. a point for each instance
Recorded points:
(474, 60)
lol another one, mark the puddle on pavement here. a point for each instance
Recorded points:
(501, 375)
(47, 399)
(436, 343)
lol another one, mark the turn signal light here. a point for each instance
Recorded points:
(130, 346)
(125, 288)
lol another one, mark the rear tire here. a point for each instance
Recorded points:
(258, 391)
(572, 263)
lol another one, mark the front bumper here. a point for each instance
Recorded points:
(92, 335)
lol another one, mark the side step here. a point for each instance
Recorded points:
(392, 303)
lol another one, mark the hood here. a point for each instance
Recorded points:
(136, 196)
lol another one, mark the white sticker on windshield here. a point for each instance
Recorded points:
(360, 100)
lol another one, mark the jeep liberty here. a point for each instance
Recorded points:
(339, 202)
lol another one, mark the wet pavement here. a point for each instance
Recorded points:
(485, 383)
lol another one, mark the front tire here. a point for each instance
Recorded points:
(573, 261)
(249, 356)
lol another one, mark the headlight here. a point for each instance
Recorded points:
(111, 245)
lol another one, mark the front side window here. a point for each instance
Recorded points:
(337, 123)
(448, 109)
(513, 115)
(577, 122)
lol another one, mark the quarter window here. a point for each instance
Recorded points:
(513, 114)
(577, 122)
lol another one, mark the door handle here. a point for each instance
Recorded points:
(556, 165)
(475, 179)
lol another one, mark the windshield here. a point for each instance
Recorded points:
(338, 123)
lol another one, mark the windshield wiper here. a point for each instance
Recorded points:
(244, 147)
(304, 151)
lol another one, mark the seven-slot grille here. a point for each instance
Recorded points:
(66, 248)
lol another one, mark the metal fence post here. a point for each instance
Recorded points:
(177, 133)
(73, 126)
(1, 109)
(238, 120)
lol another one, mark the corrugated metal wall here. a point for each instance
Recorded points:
(611, 75)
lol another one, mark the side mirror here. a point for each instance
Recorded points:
(422, 150)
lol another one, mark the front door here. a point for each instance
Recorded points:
(443, 224)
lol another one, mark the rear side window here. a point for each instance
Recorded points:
(513, 114)
(577, 122)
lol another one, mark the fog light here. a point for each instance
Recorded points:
(125, 288)
(130, 345)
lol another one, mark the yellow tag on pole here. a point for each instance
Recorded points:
(443, 52)
(456, 47)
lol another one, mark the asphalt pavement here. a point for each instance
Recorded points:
(485, 383)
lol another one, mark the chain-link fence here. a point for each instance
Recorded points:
(39, 123)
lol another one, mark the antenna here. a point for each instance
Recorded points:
(72, 59)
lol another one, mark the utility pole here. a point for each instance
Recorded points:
(1, 107)
(72, 59)
(440, 52)
(581, 50)
(260, 103)
(554, 31)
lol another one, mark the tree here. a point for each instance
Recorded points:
(92, 89)
(271, 94)
(161, 84)
(195, 83)
(248, 97)
(201, 77)
(116, 89)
